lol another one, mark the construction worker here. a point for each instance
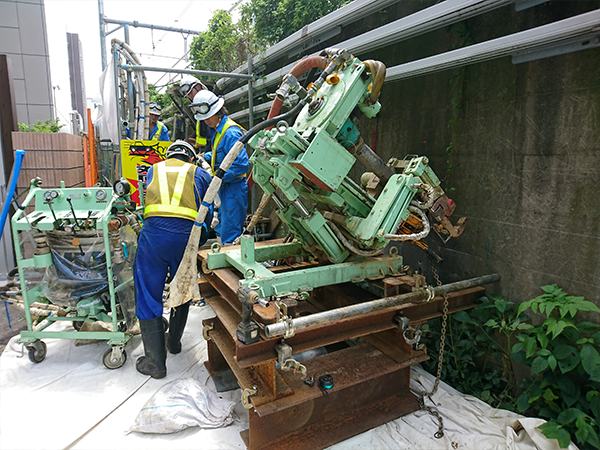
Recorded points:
(175, 190)
(158, 130)
(189, 87)
(209, 108)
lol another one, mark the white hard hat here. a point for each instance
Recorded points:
(155, 108)
(180, 147)
(206, 104)
(187, 84)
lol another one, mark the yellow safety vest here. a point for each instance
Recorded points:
(200, 141)
(171, 191)
(159, 127)
(217, 141)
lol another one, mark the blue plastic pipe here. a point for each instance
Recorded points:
(12, 185)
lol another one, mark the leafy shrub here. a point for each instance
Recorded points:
(564, 387)
(49, 126)
(477, 358)
(563, 355)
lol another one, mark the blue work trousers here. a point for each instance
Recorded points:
(159, 251)
(233, 210)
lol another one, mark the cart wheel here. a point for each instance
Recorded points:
(78, 324)
(165, 323)
(112, 363)
(37, 351)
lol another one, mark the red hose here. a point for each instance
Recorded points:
(312, 62)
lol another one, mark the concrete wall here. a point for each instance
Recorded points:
(517, 148)
(23, 39)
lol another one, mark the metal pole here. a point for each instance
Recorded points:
(251, 122)
(130, 94)
(102, 33)
(136, 24)
(206, 73)
(250, 93)
(117, 100)
(279, 328)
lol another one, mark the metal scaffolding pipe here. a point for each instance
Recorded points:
(280, 328)
(136, 24)
(206, 73)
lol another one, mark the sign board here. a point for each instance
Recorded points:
(136, 158)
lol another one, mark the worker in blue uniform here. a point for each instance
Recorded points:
(158, 130)
(175, 191)
(234, 190)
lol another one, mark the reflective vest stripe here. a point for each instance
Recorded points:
(180, 210)
(200, 141)
(159, 127)
(171, 205)
(217, 141)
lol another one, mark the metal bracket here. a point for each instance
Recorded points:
(246, 394)
(290, 328)
(411, 335)
(285, 360)
(205, 330)
(291, 365)
(284, 352)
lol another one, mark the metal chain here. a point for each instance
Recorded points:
(440, 432)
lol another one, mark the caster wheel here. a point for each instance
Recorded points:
(114, 363)
(37, 351)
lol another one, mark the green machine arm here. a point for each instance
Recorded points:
(309, 163)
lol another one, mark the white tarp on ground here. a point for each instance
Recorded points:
(71, 401)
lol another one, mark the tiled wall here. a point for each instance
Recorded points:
(23, 39)
(54, 157)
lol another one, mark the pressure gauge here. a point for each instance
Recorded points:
(121, 187)
(53, 194)
(101, 195)
(48, 196)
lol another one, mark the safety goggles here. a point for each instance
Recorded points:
(203, 107)
(185, 89)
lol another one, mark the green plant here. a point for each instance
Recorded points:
(49, 126)
(477, 357)
(564, 387)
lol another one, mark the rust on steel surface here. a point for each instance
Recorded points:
(270, 385)
(369, 389)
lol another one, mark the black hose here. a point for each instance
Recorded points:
(270, 122)
(374, 163)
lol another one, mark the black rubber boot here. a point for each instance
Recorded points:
(153, 337)
(177, 323)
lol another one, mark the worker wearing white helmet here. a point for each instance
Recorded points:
(209, 108)
(176, 188)
(158, 130)
(188, 87)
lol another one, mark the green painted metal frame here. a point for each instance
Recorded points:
(247, 260)
(82, 199)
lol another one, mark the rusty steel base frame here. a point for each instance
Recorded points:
(371, 376)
